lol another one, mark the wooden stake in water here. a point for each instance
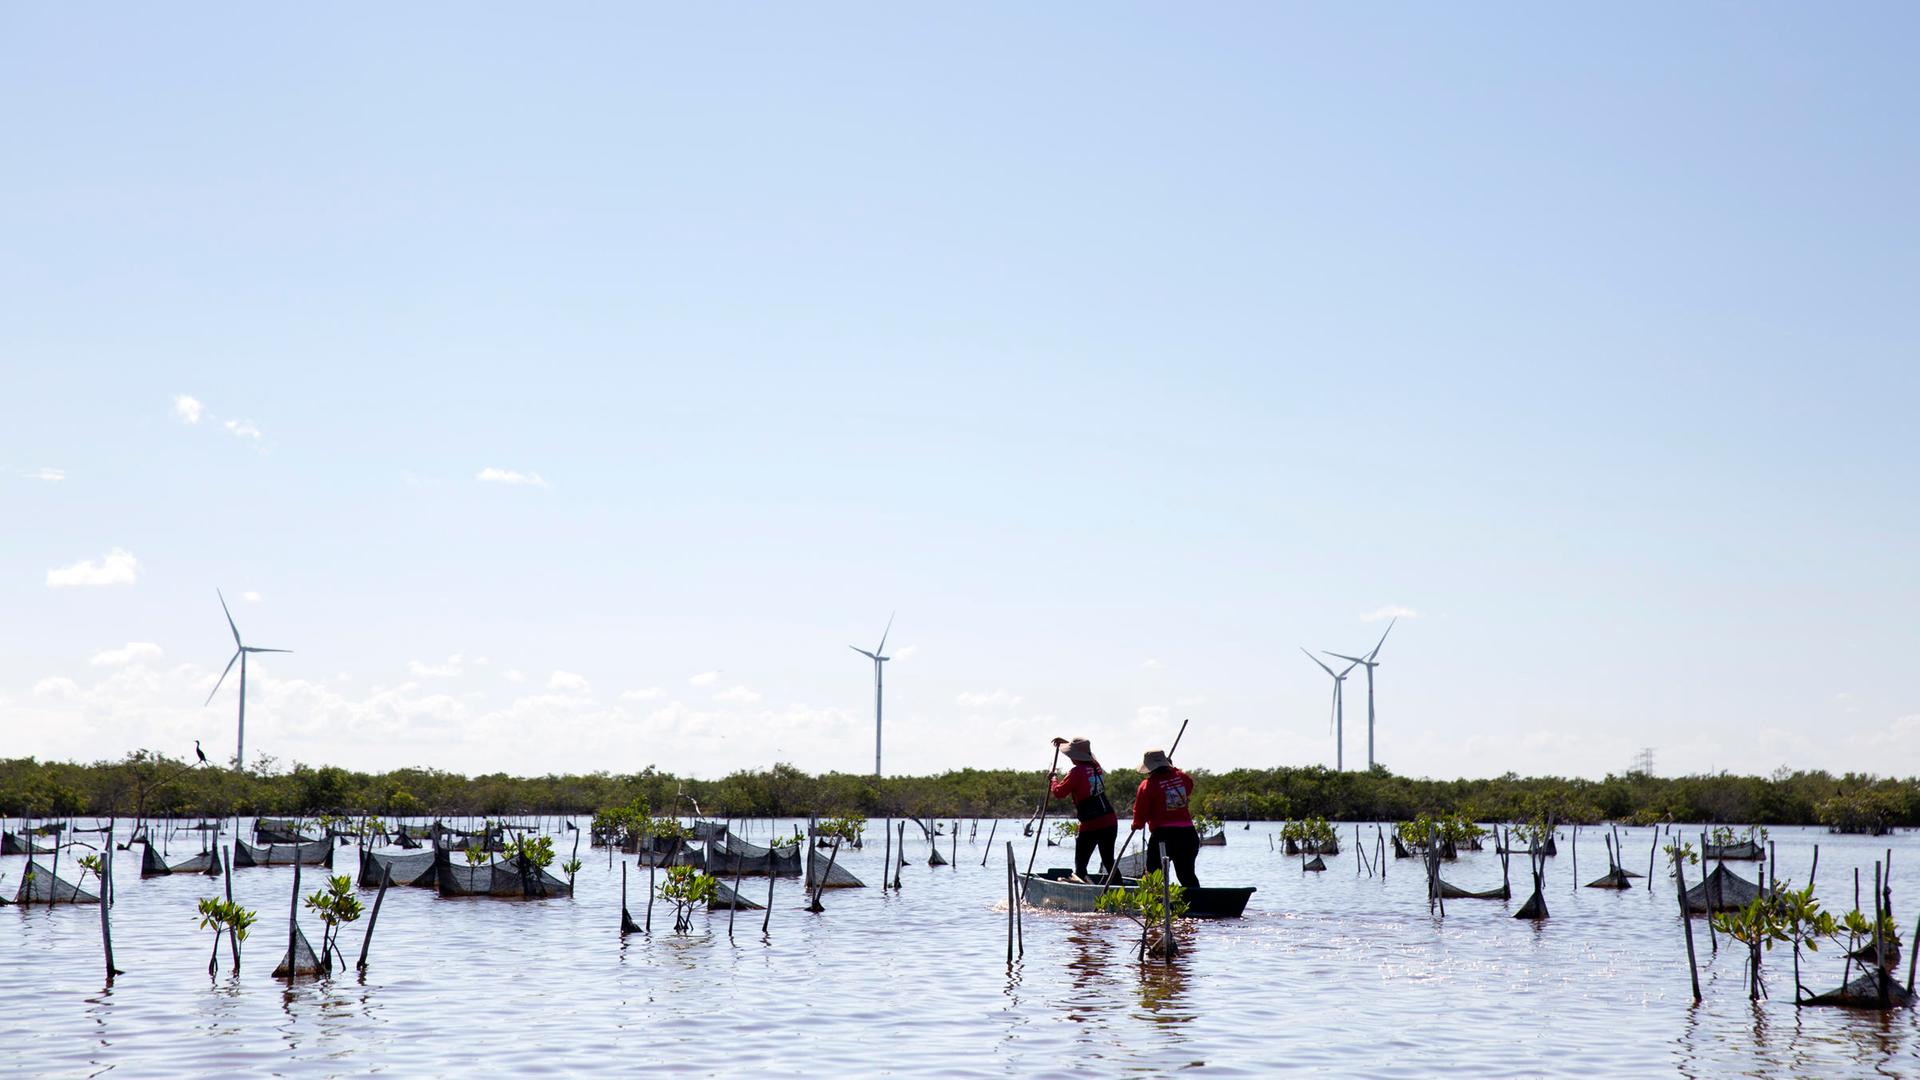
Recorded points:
(233, 934)
(1686, 922)
(886, 854)
(994, 828)
(373, 918)
(106, 902)
(293, 925)
(1167, 946)
(766, 920)
(733, 903)
(647, 927)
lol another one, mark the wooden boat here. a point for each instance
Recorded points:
(1052, 890)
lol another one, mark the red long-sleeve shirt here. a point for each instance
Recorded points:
(1162, 799)
(1081, 783)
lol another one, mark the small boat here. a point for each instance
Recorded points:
(1053, 890)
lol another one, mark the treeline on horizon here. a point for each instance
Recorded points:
(146, 785)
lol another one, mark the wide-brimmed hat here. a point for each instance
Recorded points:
(1154, 759)
(1080, 750)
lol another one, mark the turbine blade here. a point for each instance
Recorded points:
(223, 678)
(882, 647)
(1383, 637)
(229, 615)
(250, 648)
(1316, 660)
(863, 652)
(1344, 656)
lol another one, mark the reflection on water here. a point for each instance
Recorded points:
(1338, 971)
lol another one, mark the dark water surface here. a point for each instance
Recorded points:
(1337, 971)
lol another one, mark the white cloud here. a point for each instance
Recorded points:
(902, 654)
(59, 686)
(250, 597)
(1152, 664)
(448, 670)
(979, 699)
(705, 678)
(514, 675)
(245, 429)
(491, 475)
(126, 654)
(738, 695)
(1197, 699)
(50, 475)
(187, 409)
(646, 694)
(568, 681)
(117, 567)
(1391, 611)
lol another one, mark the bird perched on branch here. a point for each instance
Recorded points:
(201, 754)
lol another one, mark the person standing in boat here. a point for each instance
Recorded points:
(1161, 806)
(1085, 785)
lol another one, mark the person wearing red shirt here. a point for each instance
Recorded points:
(1085, 785)
(1161, 805)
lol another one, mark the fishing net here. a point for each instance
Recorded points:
(280, 836)
(732, 855)
(1723, 890)
(152, 865)
(724, 897)
(416, 870)
(1450, 891)
(414, 832)
(936, 859)
(39, 886)
(312, 853)
(819, 875)
(1535, 908)
(705, 831)
(1400, 850)
(514, 879)
(1313, 847)
(1314, 864)
(1613, 879)
(300, 958)
(1862, 993)
(11, 844)
(1744, 851)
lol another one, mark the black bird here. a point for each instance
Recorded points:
(200, 752)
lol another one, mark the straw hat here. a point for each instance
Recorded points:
(1080, 750)
(1154, 759)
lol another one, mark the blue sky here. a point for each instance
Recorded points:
(1122, 350)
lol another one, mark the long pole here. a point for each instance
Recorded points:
(1680, 883)
(1046, 792)
(879, 667)
(1369, 717)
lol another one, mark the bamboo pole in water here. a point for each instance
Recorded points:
(900, 853)
(1879, 943)
(233, 934)
(766, 921)
(886, 854)
(1686, 922)
(293, 923)
(733, 904)
(1167, 946)
(647, 927)
(373, 919)
(995, 827)
(1815, 869)
(106, 902)
(955, 860)
(1011, 900)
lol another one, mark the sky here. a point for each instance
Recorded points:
(568, 390)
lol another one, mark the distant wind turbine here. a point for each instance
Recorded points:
(1370, 663)
(240, 651)
(1338, 721)
(879, 657)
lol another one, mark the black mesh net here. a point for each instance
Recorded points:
(732, 855)
(152, 865)
(415, 869)
(1723, 890)
(1314, 864)
(724, 897)
(512, 879)
(39, 886)
(1535, 907)
(300, 958)
(1745, 850)
(314, 853)
(13, 844)
(1451, 891)
(1613, 879)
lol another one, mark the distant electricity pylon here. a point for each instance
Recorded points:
(1643, 761)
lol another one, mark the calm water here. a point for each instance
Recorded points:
(1338, 970)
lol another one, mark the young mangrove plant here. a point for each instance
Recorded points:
(687, 888)
(337, 906)
(222, 917)
(1152, 904)
(1310, 835)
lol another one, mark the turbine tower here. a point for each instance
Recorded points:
(1371, 663)
(878, 657)
(240, 651)
(1338, 721)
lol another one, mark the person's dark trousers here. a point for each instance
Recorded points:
(1086, 841)
(1183, 846)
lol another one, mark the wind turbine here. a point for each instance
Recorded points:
(1369, 661)
(240, 651)
(1338, 721)
(878, 657)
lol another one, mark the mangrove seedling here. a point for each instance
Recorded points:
(687, 888)
(337, 906)
(1144, 904)
(224, 916)
(90, 864)
(1063, 830)
(846, 829)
